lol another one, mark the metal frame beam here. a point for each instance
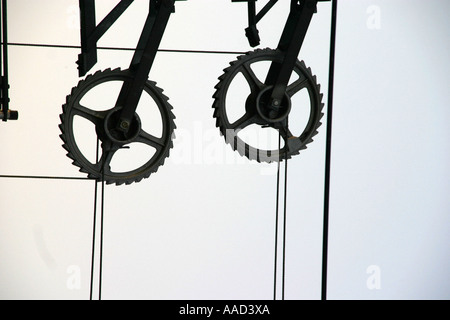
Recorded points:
(91, 33)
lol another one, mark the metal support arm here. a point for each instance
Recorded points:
(91, 32)
(290, 44)
(252, 32)
(291, 41)
(144, 56)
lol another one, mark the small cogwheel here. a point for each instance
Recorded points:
(254, 111)
(142, 132)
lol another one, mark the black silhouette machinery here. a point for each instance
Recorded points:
(267, 105)
(5, 113)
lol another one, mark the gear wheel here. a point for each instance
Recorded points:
(156, 142)
(253, 111)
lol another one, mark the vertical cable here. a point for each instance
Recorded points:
(93, 242)
(276, 223)
(285, 210)
(101, 241)
(94, 228)
(101, 234)
(2, 43)
(328, 151)
(283, 244)
(4, 106)
(5, 39)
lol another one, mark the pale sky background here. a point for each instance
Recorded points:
(202, 227)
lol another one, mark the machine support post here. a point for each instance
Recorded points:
(290, 44)
(143, 59)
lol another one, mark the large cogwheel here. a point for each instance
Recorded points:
(253, 128)
(89, 116)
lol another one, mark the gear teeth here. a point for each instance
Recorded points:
(216, 113)
(216, 94)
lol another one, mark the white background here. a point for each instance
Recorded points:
(202, 227)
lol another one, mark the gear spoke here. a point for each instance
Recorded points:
(252, 79)
(103, 164)
(243, 122)
(96, 117)
(285, 133)
(151, 140)
(296, 86)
